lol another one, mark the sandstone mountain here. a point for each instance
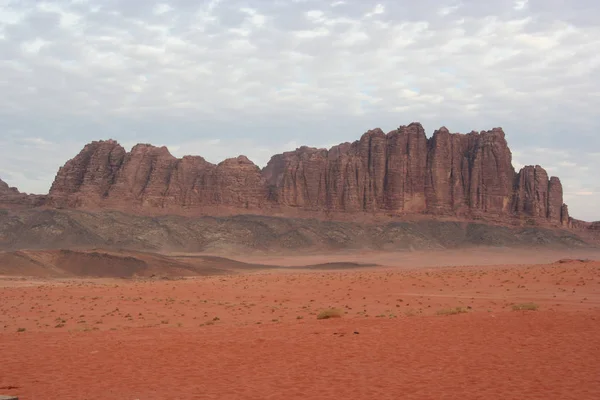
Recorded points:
(399, 173)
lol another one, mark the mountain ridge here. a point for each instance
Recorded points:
(399, 174)
(402, 172)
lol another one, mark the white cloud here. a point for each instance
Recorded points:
(162, 8)
(379, 9)
(583, 193)
(448, 9)
(352, 38)
(255, 18)
(34, 46)
(567, 164)
(520, 4)
(312, 33)
(36, 141)
(315, 15)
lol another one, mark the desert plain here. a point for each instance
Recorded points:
(468, 324)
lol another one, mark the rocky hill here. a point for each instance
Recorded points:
(10, 196)
(402, 172)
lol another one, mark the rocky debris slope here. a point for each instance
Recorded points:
(11, 197)
(401, 172)
(77, 229)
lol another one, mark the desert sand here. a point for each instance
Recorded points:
(425, 331)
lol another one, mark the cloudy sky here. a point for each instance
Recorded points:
(257, 77)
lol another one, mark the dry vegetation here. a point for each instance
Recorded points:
(452, 311)
(525, 307)
(330, 313)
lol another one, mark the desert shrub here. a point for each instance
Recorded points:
(452, 311)
(525, 307)
(330, 313)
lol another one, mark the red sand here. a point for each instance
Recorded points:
(201, 338)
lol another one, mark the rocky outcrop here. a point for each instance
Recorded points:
(11, 197)
(104, 174)
(4, 188)
(537, 196)
(468, 175)
(555, 207)
(578, 224)
(87, 178)
(404, 172)
(565, 219)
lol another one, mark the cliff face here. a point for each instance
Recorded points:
(104, 174)
(89, 176)
(403, 172)
(539, 197)
(469, 175)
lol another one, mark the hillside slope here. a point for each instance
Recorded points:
(55, 229)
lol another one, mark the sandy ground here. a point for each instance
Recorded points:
(478, 256)
(257, 336)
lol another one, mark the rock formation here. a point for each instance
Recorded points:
(578, 224)
(538, 197)
(89, 176)
(468, 175)
(404, 172)
(104, 174)
(11, 197)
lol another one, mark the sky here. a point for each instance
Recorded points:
(221, 78)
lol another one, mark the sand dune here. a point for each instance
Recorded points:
(132, 264)
(108, 264)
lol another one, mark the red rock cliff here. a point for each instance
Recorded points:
(104, 174)
(403, 171)
(539, 197)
